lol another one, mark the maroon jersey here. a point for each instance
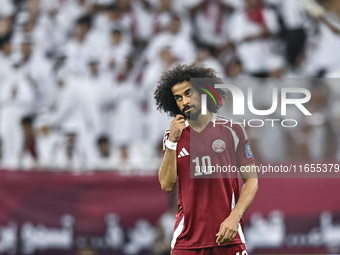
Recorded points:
(204, 203)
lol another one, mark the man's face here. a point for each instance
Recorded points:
(175, 25)
(34, 5)
(26, 50)
(82, 29)
(86, 251)
(188, 99)
(327, 4)
(116, 37)
(123, 4)
(104, 148)
(166, 56)
(165, 4)
(28, 130)
(7, 48)
(253, 4)
(71, 139)
(94, 69)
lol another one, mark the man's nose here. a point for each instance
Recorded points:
(186, 100)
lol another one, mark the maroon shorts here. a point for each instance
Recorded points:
(237, 249)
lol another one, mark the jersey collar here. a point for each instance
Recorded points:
(213, 118)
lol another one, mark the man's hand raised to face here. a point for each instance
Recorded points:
(176, 128)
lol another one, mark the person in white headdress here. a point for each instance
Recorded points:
(81, 46)
(323, 56)
(117, 49)
(181, 47)
(7, 10)
(5, 57)
(69, 120)
(37, 70)
(17, 99)
(253, 29)
(106, 159)
(205, 56)
(163, 13)
(155, 122)
(295, 21)
(211, 18)
(93, 94)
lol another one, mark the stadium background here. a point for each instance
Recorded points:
(80, 136)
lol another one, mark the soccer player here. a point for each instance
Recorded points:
(209, 218)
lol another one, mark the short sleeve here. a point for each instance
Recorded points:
(244, 155)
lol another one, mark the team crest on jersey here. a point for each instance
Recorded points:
(218, 146)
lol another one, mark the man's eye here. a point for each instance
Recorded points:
(177, 98)
(189, 93)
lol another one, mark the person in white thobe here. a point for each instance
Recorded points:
(17, 99)
(181, 47)
(251, 29)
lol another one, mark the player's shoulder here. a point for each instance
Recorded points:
(232, 125)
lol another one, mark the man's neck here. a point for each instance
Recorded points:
(201, 122)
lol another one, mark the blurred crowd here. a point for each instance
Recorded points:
(77, 77)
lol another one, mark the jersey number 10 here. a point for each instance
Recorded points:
(243, 253)
(204, 168)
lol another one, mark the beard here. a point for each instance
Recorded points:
(191, 115)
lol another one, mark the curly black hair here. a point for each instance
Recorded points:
(165, 100)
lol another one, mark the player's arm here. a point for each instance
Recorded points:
(167, 174)
(229, 226)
